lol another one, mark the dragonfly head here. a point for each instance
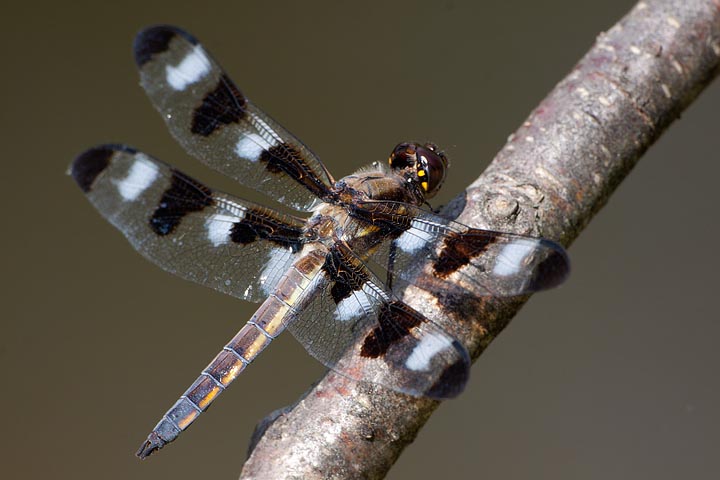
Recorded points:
(423, 164)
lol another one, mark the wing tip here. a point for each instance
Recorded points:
(92, 162)
(156, 39)
(553, 270)
(452, 381)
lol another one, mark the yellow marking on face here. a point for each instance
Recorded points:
(209, 397)
(421, 173)
(424, 185)
(187, 420)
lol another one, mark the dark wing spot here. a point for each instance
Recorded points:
(89, 164)
(345, 275)
(243, 232)
(552, 270)
(395, 320)
(151, 41)
(184, 196)
(285, 158)
(459, 248)
(222, 106)
(340, 290)
(333, 267)
(453, 379)
(260, 224)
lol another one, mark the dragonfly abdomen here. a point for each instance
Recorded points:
(268, 322)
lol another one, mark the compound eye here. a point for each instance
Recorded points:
(431, 168)
(403, 156)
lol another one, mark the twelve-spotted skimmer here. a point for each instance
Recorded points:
(332, 277)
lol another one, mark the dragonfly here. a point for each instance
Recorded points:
(333, 272)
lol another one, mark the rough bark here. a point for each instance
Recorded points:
(554, 173)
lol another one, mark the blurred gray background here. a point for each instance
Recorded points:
(614, 375)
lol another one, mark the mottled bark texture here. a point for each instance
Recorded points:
(555, 172)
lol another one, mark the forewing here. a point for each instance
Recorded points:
(483, 262)
(211, 238)
(215, 122)
(354, 326)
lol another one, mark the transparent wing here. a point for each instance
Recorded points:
(356, 327)
(209, 116)
(483, 262)
(211, 238)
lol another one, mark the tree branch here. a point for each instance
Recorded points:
(555, 172)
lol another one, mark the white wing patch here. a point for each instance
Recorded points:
(414, 238)
(190, 70)
(142, 174)
(356, 305)
(429, 346)
(219, 227)
(279, 260)
(513, 256)
(251, 146)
